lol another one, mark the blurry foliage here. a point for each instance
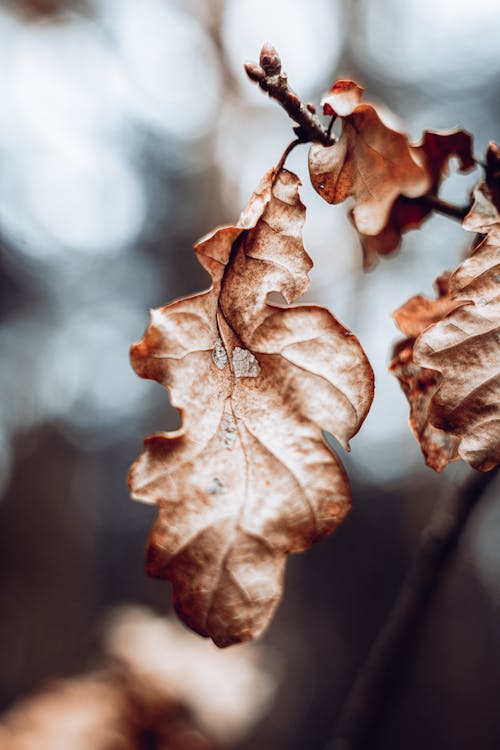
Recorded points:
(157, 688)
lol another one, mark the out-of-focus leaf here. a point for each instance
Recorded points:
(371, 162)
(386, 175)
(464, 346)
(419, 383)
(47, 8)
(158, 686)
(225, 692)
(493, 172)
(450, 368)
(248, 478)
(436, 148)
(80, 713)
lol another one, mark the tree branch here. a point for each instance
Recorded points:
(374, 683)
(442, 207)
(273, 80)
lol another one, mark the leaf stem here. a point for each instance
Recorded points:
(268, 74)
(445, 208)
(330, 125)
(273, 80)
(284, 156)
(376, 679)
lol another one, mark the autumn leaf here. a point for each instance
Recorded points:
(464, 346)
(248, 478)
(419, 383)
(388, 177)
(342, 99)
(83, 712)
(154, 688)
(370, 161)
(492, 172)
(450, 370)
(167, 663)
(436, 149)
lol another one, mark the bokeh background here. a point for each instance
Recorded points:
(127, 130)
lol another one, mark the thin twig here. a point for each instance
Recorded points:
(372, 688)
(274, 82)
(442, 207)
(330, 125)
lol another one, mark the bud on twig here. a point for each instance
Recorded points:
(254, 71)
(270, 60)
(273, 80)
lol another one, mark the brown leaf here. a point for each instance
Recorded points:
(438, 146)
(84, 712)
(112, 709)
(157, 685)
(371, 162)
(420, 312)
(406, 214)
(436, 149)
(167, 664)
(419, 383)
(493, 172)
(483, 216)
(248, 477)
(464, 347)
(101, 711)
(342, 99)
(386, 175)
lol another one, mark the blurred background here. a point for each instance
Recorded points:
(127, 130)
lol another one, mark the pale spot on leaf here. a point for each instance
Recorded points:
(245, 365)
(229, 430)
(216, 487)
(219, 354)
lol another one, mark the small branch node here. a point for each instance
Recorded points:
(273, 80)
(254, 72)
(270, 60)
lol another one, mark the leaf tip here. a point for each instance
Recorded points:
(342, 99)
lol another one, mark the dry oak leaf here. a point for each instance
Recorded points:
(419, 383)
(493, 172)
(436, 149)
(464, 347)
(248, 478)
(342, 99)
(370, 161)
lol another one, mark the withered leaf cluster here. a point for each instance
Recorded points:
(248, 478)
(449, 366)
(449, 363)
(389, 178)
(420, 383)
